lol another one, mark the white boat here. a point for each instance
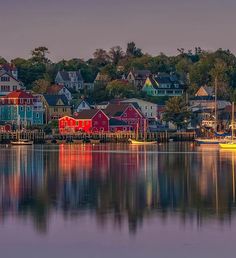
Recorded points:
(142, 142)
(22, 142)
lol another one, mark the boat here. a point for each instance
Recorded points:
(22, 142)
(210, 141)
(95, 141)
(142, 142)
(231, 144)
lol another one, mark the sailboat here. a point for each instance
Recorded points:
(22, 141)
(216, 140)
(231, 144)
(144, 141)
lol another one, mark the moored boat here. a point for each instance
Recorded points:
(142, 142)
(95, 141)
(22, 142)
(229, 145)
(210, 141)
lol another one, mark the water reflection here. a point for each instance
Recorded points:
(118, 182)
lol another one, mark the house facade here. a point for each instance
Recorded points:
(60, 90)
(82, 105)
(87, 121)
(19, 108)
(8, 83)
(56, 106)
(128, 113)
(10, 69)
(138, 77)
(148, 108)
(73, 80)
(163, 85)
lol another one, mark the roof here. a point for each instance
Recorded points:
(87, 114)
(54, 89)
(164, 79)
(116, 122)
(114, 110)
(19, 94)
(209, 90)
(2, 72)
(52, 100)
(8, 67)
(141, 73)
(67, 75)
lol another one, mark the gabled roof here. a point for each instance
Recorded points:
(19, 94)
(8, 67)
(3, 72)
(209, 91)
(54, 89)
(66, 75)
(114, 110)
(165, 79)
(88, 114)
(52, 100)
(141, 74)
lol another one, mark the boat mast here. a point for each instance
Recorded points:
(232, 123)
(216, 88)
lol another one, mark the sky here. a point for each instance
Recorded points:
(75, 28)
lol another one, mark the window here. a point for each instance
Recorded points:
(21, 108)
(37, 115)
(28, 101)
(151, 107)
(28, 108)
(21, 101)
(146, 107)
(14, 87)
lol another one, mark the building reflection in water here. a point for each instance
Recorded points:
(119, 183)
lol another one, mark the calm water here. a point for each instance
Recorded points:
(171, 200)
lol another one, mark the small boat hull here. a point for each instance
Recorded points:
(141, 142)
(209, 141)
(20, 143)
(95, 141)
(228, 146)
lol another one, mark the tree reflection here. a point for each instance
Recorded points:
(119, 183)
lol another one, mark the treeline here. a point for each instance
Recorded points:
(194, 67)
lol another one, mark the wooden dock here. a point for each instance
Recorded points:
(41, 138)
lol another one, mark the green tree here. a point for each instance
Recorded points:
(177, 112)
(133, 51)
(100, 57)
(39, 55)
(116, 54)
(120, 89)
(41, 86)
(2, 60)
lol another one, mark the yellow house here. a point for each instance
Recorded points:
(56, 106)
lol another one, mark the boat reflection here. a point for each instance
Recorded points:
(117, 183)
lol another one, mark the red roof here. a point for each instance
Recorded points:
(19, 94)
(54, 89)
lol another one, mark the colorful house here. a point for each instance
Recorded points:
(56, 106)
(138, 77)
(86, 121)
(163, 85)
(19, 108)
(129, 113)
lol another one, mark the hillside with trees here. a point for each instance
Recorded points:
(194, 67)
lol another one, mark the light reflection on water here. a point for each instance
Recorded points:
(123, 191)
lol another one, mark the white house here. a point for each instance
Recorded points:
(8, 83)
(82, 105)
(149, 109)
(72, 80)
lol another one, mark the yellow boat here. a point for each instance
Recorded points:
(142, 142)
(232, 144)
(228, 146)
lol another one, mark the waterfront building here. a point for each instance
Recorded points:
(88, 121)
(56, 106)
(130, 113)
(149, 109)
(21, 108)
(163, 85)
(10, 69)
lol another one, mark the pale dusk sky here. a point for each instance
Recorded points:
(75, 28)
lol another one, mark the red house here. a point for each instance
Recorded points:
(88, 121)
(128, 113)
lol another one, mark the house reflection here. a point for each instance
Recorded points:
(122, 183)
